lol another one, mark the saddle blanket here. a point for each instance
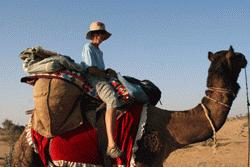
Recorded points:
(77, 79)
(79, 147)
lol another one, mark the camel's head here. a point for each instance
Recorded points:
(225, 68)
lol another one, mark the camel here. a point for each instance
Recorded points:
(167, 131)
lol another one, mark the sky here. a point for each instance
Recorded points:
(164, 41)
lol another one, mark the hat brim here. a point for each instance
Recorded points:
(106, 34)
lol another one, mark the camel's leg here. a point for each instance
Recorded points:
(23, 155)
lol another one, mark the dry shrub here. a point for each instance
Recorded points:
(10, 133)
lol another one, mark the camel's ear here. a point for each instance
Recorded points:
(210, 56)
(231, 48)
(230, 53)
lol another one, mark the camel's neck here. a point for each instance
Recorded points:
(192, 126)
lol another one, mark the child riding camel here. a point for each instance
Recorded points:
(96, 73)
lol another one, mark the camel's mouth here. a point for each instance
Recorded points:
(243, 61)
(236, 88)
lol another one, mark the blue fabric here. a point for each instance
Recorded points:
(92, 56)
(134, 90)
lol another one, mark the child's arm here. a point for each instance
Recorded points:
(97, 72)
(109, 73)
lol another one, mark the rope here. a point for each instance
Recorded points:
(212, 126)
(222, 90)
(216, 101)
(248, 114)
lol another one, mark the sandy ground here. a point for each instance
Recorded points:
(231, 151)
(4, 150)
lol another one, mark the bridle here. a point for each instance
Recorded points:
(221, 90)
(206, 111)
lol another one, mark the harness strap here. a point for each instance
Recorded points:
(216, 101)
(211, 124)
(222, 90)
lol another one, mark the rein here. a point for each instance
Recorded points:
(216, 101)
(248, 115)
(222, 90)
(211, 124)
(206, 111)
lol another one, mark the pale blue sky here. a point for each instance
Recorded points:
(164, 41)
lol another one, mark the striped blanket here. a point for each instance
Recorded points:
(77, 79)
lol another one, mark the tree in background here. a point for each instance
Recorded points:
(10, 133)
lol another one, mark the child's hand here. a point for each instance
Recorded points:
(95, 71)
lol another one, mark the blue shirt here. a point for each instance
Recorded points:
(92, 56)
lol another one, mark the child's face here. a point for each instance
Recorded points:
(97, 38)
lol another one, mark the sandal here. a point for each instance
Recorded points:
(114, 152)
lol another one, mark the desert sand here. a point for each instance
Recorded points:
(4, 150)
(232, 150)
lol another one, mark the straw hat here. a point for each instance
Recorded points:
(97, 26)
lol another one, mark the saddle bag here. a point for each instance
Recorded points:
(151, 90)
(57, 107)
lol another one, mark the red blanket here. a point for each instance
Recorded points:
(80, 146)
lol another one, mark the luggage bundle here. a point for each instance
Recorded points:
(57, 107)
(57, 102)
(143, 91)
